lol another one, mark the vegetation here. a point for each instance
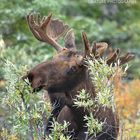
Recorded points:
(28, 112)
(117, 24)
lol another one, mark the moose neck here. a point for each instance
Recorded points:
(85, 83)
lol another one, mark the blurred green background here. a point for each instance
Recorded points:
(118, 24)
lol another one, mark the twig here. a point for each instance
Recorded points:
(31, 137)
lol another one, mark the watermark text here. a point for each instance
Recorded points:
(113, 1)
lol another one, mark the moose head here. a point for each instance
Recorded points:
(66, 69)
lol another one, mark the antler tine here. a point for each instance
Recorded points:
(31, 23)
(46, 29)
(86, 44)
(45, 21)
(94, 48)
(113, 57)
(127, 57)
(99, 48)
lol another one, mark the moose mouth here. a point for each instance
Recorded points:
(38, 89)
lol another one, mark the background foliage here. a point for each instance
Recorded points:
(117, 24)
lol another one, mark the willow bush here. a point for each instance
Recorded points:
(28, 112)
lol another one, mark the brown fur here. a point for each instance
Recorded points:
(63, 77)
(66, 74)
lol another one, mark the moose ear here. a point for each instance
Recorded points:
(70, 40)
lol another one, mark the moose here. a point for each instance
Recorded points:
(66, 74)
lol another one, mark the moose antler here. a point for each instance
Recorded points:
(86, 44)
(127, 57)
(47, 30)
(99, 48)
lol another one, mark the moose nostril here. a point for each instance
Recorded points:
(37, 89)
(34, 90)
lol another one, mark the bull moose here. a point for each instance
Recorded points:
(66, 73)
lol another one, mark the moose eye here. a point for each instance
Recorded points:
(40, 82)
(72, 70)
